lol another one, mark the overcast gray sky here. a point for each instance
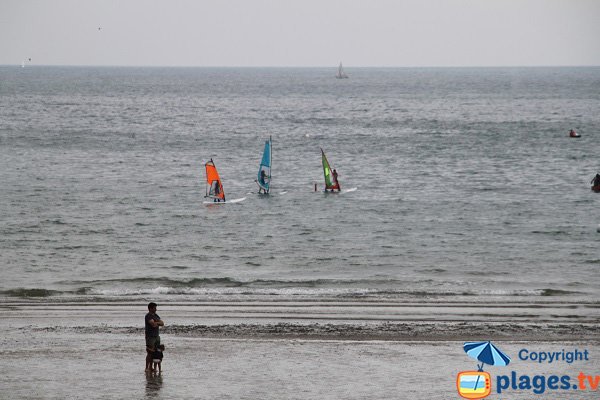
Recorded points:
(301, 32)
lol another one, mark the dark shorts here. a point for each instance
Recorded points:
(152, 342)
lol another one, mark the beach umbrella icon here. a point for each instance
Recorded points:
(487, 353)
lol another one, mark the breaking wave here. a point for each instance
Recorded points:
(293, 289)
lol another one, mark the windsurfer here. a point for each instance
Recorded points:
(263, 176)
(217, 192)
(263, 181)
(335, 180)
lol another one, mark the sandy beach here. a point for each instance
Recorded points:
(281, 350)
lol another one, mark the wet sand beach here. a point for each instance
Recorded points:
(281, 350)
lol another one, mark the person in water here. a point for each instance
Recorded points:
(335, 180)
(157, 357)
(596, 180)
(152, 324)
(263, 180)
(217, 192)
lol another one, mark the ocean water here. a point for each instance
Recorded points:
(467, 184)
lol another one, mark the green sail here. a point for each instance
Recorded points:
(329, 182)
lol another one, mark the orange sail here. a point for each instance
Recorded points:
(214, 188)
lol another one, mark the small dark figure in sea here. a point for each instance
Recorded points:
(157, 356)
(596, 180)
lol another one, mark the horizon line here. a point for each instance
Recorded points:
(302, 66)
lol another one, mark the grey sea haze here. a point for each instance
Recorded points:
(467, 182)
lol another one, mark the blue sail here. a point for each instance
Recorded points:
(264, 171)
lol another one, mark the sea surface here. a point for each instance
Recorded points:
(467, 185)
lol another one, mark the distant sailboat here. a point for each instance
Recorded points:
(341, 74)
(214, 187)
(264, 170)
(23, 64)
(331, 181)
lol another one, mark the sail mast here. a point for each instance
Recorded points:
(270, 159)
(326, 170)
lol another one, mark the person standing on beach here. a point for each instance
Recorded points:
(153, 321)
(157, 357)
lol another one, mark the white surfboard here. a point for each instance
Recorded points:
(342, 192)
(224, 202)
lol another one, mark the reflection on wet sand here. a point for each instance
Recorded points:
(154, 382)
